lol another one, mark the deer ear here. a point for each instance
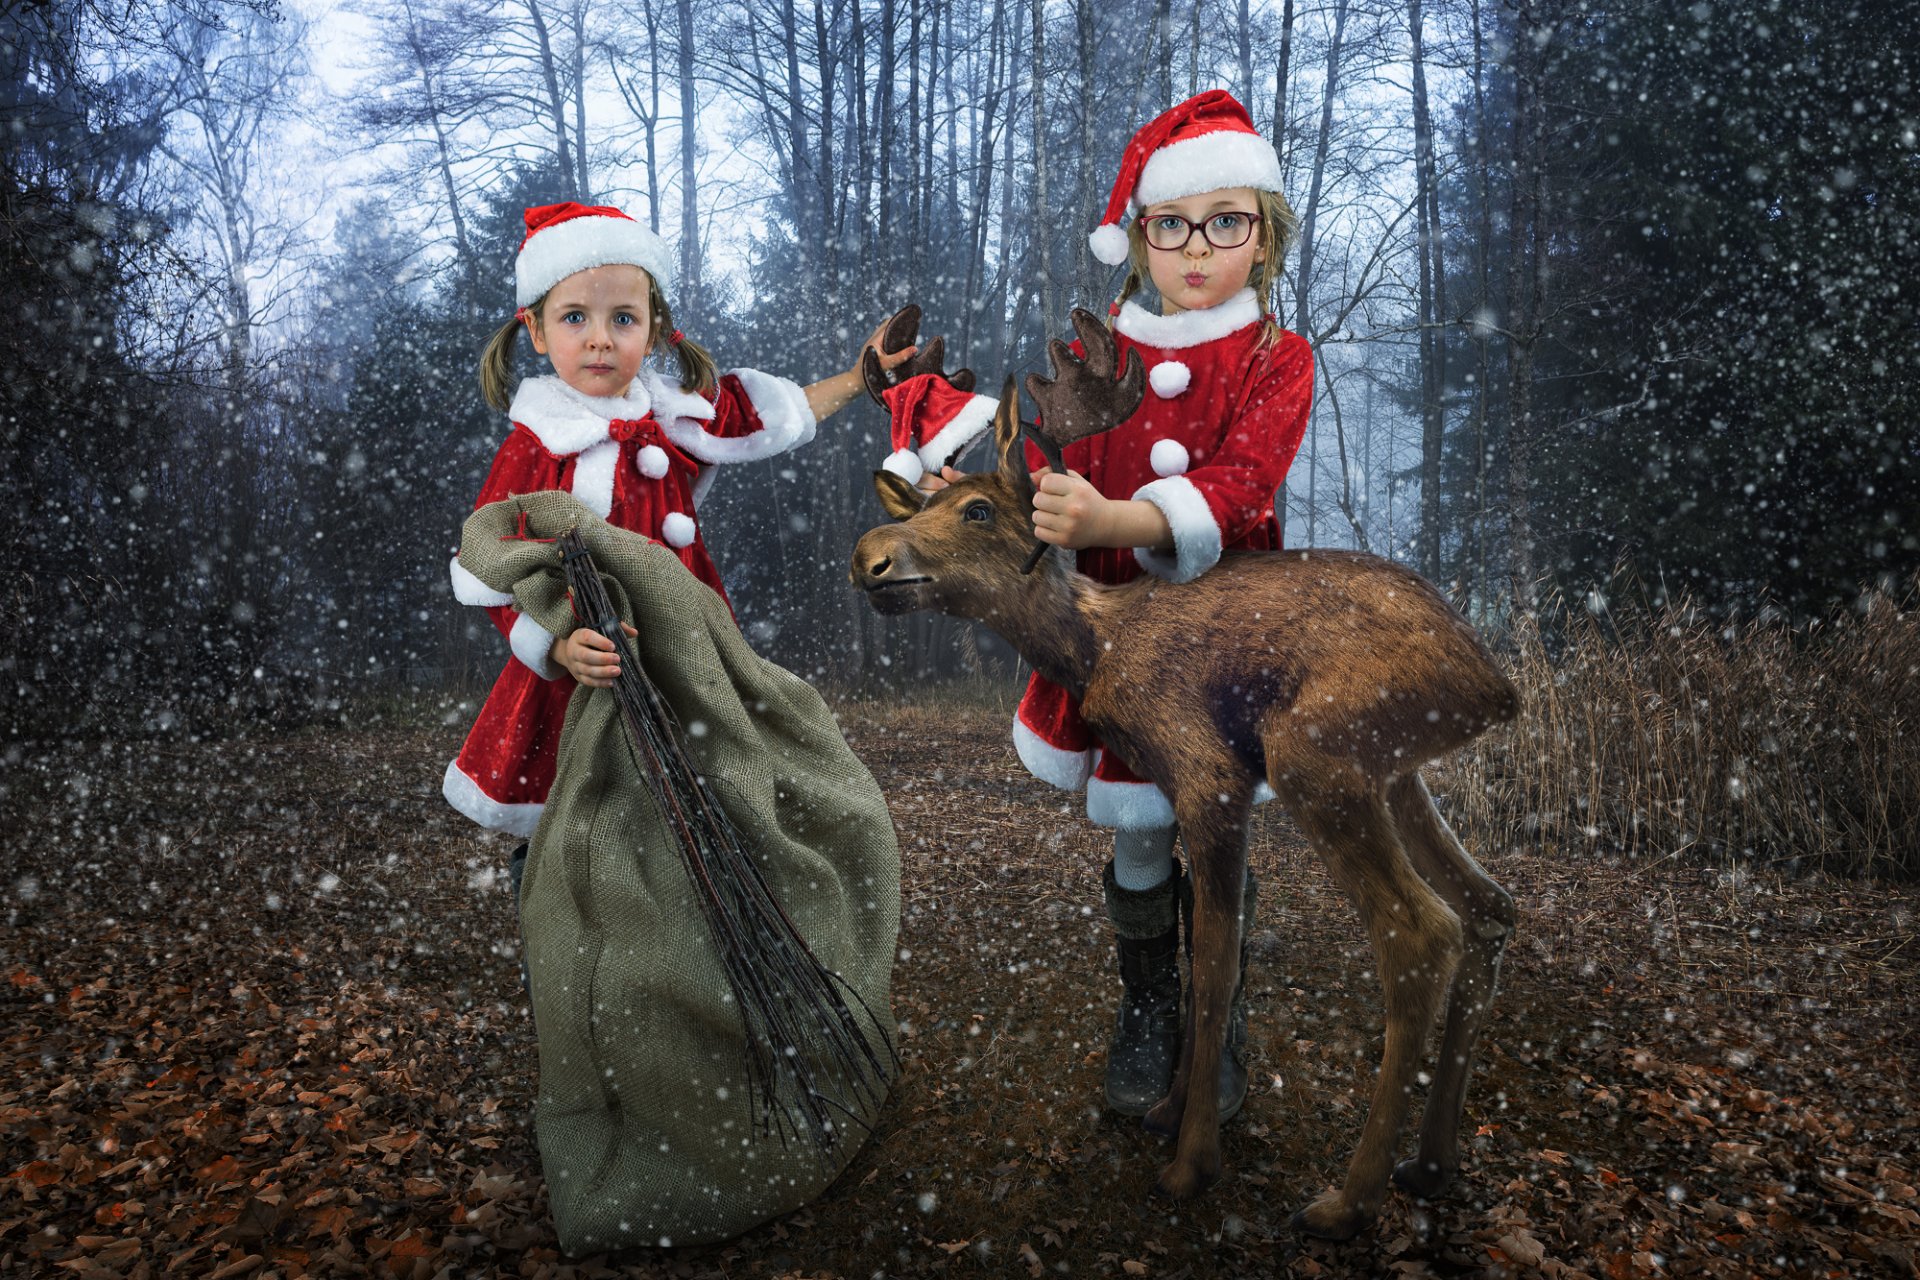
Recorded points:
(1009, 446)
(898, 498)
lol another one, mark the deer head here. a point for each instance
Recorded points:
(961, 550)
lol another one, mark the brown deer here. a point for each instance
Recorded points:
(1330, 675)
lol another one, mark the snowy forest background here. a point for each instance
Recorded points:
(1611, 301)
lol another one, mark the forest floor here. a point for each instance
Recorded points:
(262, 1017)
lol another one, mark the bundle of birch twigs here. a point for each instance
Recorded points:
(808, 1060)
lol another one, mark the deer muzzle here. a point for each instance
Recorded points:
(885, 568)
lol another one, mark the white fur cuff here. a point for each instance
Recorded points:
(1131, 806)
(464, 794)
(533, 645)
(468, 589)
(786, 420)
(1196, 534)
(1067, 770)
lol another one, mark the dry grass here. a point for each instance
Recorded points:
(1668, 733)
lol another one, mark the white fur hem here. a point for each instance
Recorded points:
(952, 440)
(786, 420)
(468, 589)
(1209, 162)
(1067, 770)
(464, 794)
(533, 645)
(1188, 328)
(1131, 806)
(579, 244)
(1196, 534)
(565, 421)
(593, 477)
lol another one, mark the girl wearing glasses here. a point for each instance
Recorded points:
(1192, 473)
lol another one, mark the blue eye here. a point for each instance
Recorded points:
(1171, 224)
(623, 318)
(1227, 222)
(573, 317)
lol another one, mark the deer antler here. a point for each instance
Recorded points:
(900, 332)
(1082, 398)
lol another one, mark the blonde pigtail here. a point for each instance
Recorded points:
(496, 365)
(698, 373)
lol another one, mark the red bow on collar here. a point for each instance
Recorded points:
(646, 431)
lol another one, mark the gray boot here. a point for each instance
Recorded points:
(1233, 1057)
(1146, 1034)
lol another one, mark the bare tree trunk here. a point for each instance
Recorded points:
(1303, 324)
(556, 101)
(1482, 336)
(1431, 346)
(689, 286)
(1525, 248)
(1042, 225)
(443, 156)
(1280, 71)
(1084, 204)
(1163, 39)
(584, 179)
(1244, 41)
(1347, 507)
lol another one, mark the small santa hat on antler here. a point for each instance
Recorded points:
(933, 423)
(564, 238)
(1206, 143)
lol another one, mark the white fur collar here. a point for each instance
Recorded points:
(1188, 328)
(566, 421)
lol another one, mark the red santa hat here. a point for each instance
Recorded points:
(564, 238)
(1206, 143)
(933, 423)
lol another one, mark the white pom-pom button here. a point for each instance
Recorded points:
(677, 529)
(1169, 458)
(652, 461)
(906, 464)
(1109, 244)
(1169, 378)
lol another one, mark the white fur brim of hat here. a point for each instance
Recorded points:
(1209, 162)
(966, 426)
(579, 244)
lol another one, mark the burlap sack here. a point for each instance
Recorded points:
(641, 1112)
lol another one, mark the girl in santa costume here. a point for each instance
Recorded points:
(592, 286)
(1191, 474)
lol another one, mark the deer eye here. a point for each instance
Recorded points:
(981, 510)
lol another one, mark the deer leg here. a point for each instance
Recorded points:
(1416, 940)
(1216, 835)
(1487, 917)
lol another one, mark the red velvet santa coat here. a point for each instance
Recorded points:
(642, 461)
(1209, 446)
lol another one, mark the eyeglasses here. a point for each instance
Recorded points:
(1225, 230)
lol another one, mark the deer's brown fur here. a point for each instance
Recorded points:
(1332, 676)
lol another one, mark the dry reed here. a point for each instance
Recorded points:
(1661, 732)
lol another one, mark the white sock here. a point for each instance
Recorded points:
(1143, 858)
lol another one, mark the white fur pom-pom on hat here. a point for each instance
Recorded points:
(1109, 244)
(652, 461)
(1169, 378)
(906, 464)
(1169, 458)
(677, 529)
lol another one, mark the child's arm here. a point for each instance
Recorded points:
(830, 395)
(1069, 512)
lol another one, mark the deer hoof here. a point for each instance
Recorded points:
(1185, 1180)
(1423, 1178)
(1164, 1119)
(1330, 1217)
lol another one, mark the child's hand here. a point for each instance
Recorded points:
(1069, 512)
(931, 483)
(888, 359)
(589, 657)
